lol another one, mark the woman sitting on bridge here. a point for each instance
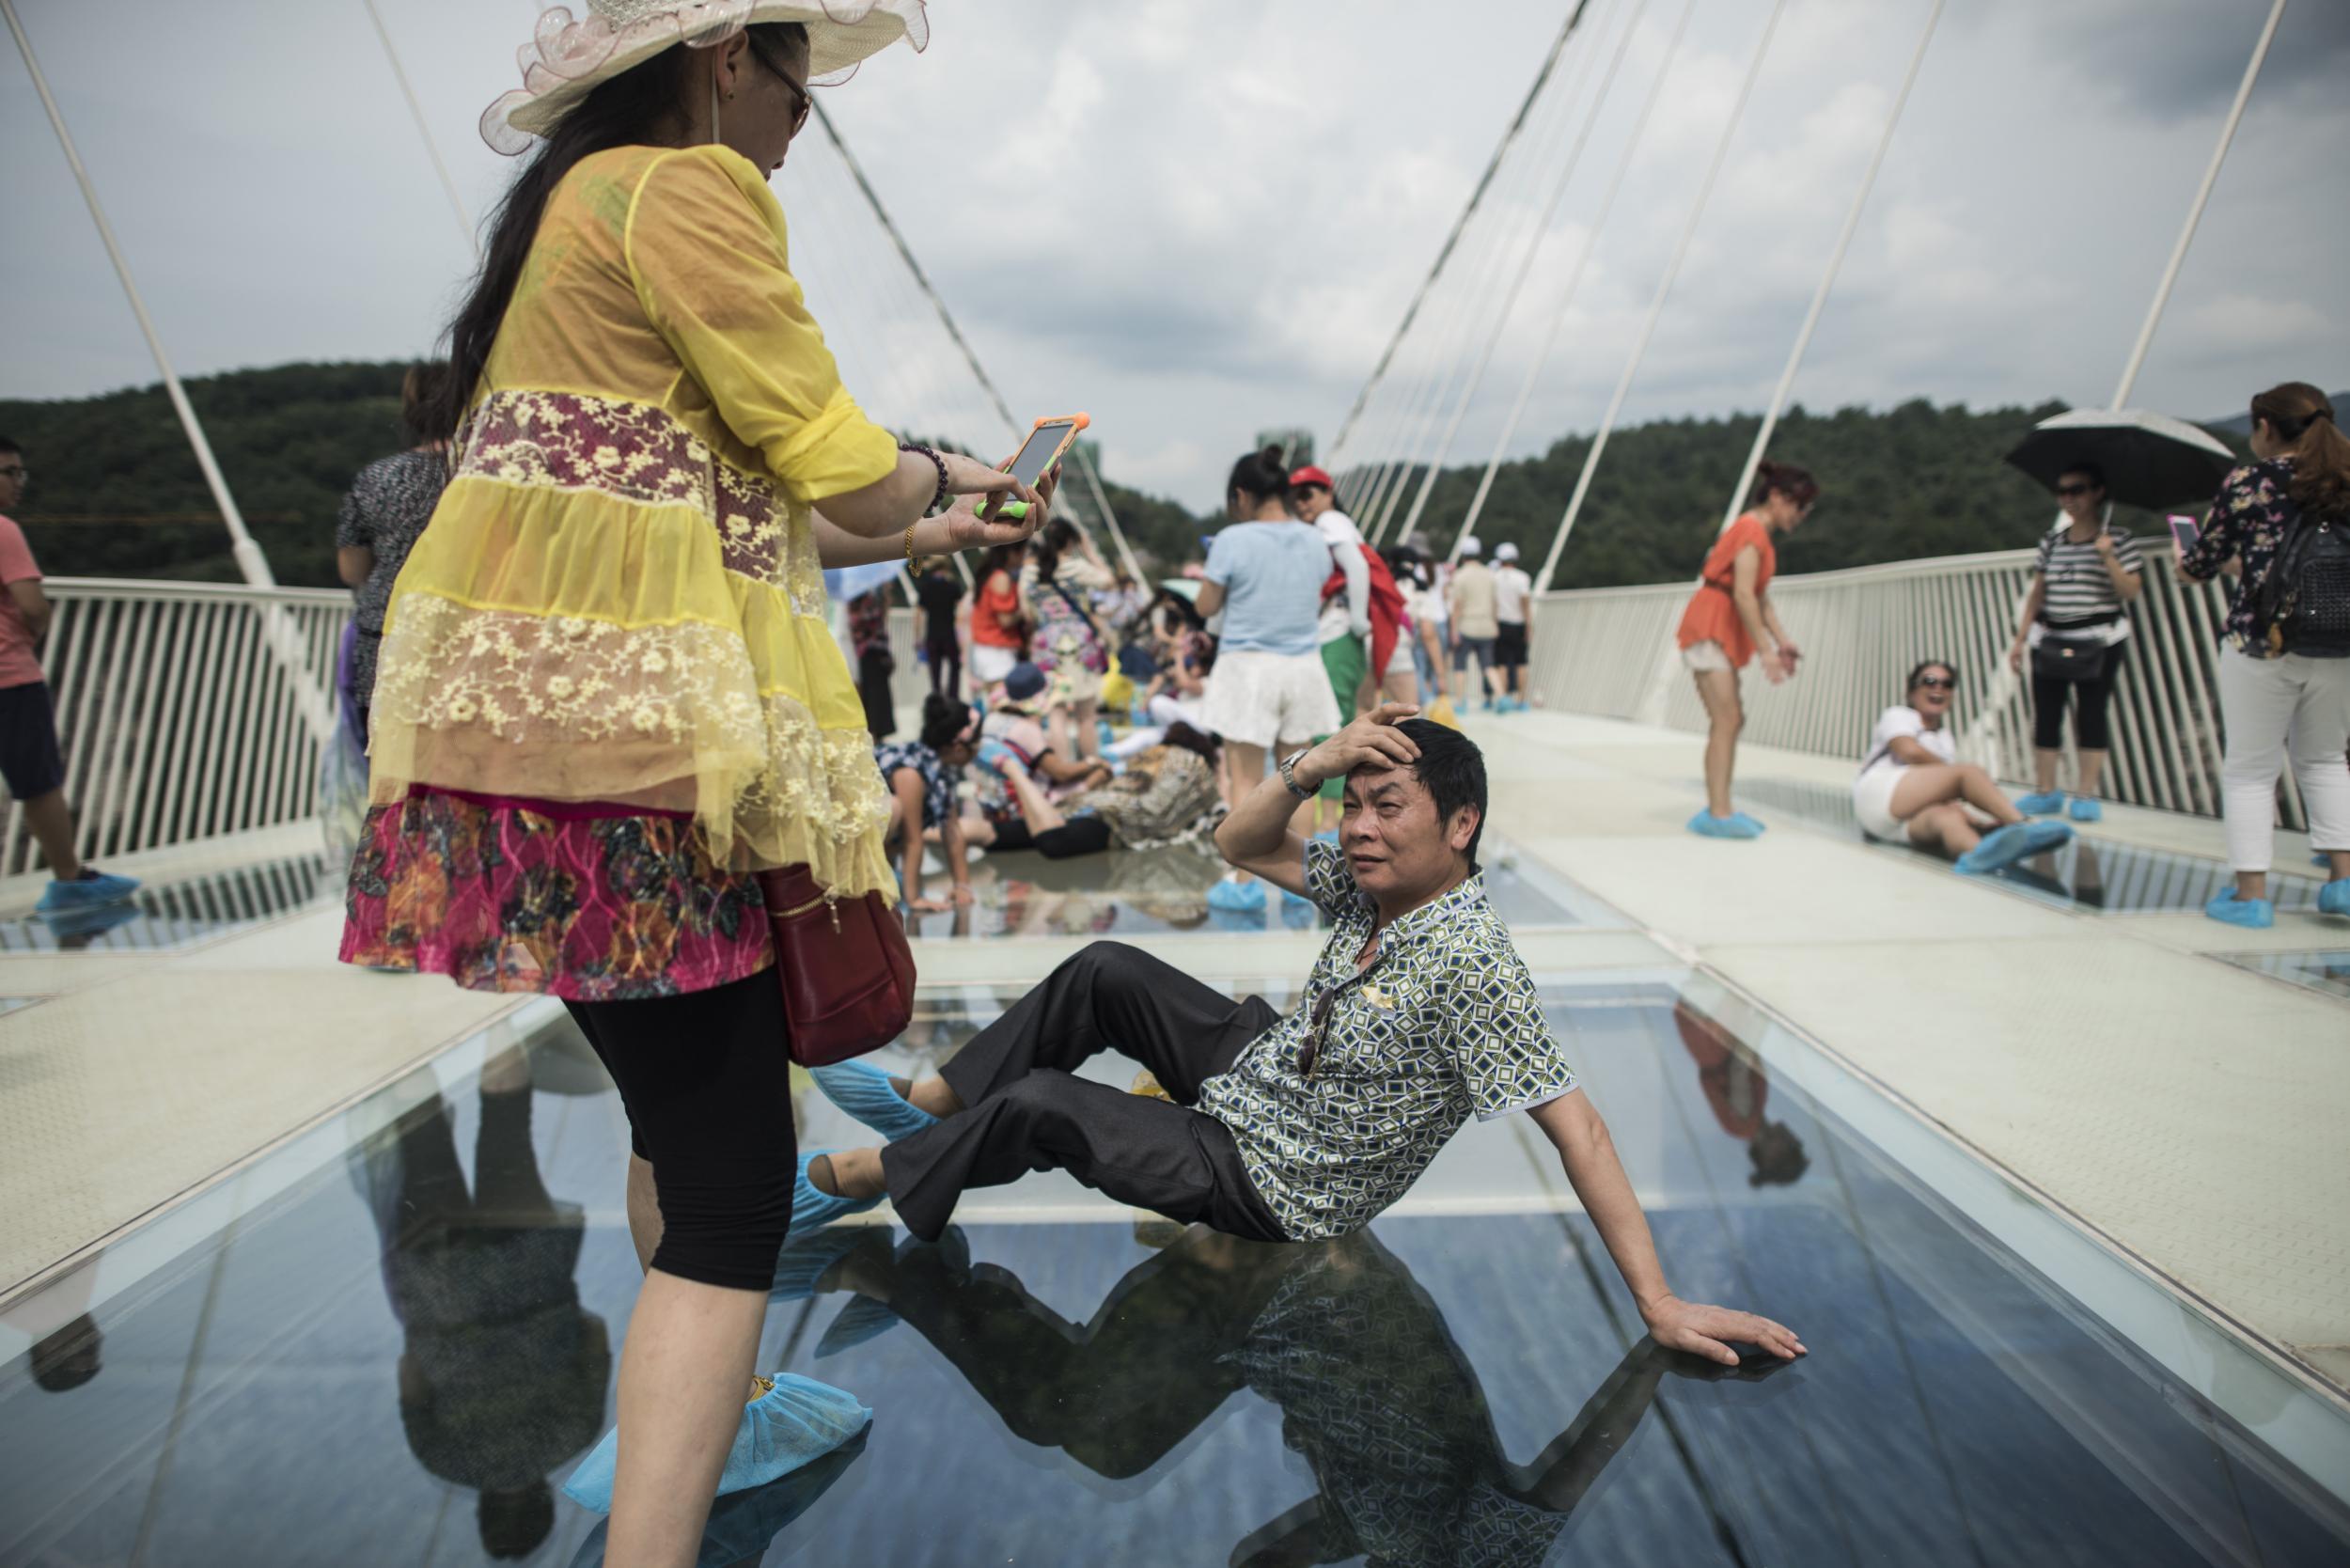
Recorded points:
(1730, 621)
(1913, 788)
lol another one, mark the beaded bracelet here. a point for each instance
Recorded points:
(938, 502)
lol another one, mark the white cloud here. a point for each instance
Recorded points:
(1196, 217)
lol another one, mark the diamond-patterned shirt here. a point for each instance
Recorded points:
(1444, 1022)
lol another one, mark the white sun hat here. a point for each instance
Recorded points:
(1505, 551)
(565, 60)
(1471, 548)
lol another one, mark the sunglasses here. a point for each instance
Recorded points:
(1938, 682)
(806, 104)
(2074, 489)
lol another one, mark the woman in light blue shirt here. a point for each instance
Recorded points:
(1265, 573)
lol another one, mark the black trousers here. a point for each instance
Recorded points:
(874, 667)
(706, 1078)
(1024, 1110)
(946, 668)
(2090, 729)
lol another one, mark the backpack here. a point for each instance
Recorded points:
(2305, 594)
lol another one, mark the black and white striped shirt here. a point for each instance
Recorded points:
(2073, 578)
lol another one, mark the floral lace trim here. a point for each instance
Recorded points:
(504, 702)
(641, 454)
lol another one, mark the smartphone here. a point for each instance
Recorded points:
(1048, 440)
(2183, 531)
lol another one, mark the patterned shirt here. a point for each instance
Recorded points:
(938, 780)
(1445, 1022)
(2075, 587)
(389, 504)
(2249, 519)
(868, 621)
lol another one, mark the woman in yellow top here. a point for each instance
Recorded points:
(608, 693)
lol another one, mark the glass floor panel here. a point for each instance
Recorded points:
(172, 915)
(2326, 969)
(398, 1358)
(2117, 879)
(1141, 892)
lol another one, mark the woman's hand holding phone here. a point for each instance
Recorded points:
(968, 531)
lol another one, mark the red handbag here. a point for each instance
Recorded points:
(845, 967)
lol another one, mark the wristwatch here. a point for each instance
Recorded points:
(1287, 768)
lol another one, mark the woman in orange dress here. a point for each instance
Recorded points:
(1730, 621)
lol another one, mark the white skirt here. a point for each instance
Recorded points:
(990, 663)
(1872, 799)
(1263, 698)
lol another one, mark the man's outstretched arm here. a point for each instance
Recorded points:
(1576, 1130)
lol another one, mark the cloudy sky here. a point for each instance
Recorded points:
(1195, 218)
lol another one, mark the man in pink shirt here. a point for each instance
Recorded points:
(29, 758)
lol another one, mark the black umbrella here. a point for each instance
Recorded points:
(2149, 460)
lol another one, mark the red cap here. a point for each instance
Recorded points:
(1311, 475)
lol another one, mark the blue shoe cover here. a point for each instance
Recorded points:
(1738, 825)
(858, 1321)
(808, 1254)
(744, 1526)
(2251, 913)
(796, 1423)
(2085, 809)
(1757, 824)
(863, 1091)
(2322, 860)
(92, 889)
(1241, 897)
(2044, 836)
(2009, 844)
(812, 1208)
(86, 925)
(1327, 836)
(2334, 898)
(2047, 802)
(1297, 913)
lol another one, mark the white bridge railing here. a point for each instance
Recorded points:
(185, 710)
(1598, 651)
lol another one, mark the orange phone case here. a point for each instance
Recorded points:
(1076, 422)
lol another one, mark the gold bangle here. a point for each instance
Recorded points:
(909, 542)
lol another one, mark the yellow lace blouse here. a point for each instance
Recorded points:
(618, 600)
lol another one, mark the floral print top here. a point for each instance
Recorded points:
(388, 505)
(619, 609)
(938, 779)
(2249, 519)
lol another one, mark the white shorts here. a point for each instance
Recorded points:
(1263, 698)
(1703, 656)
(1872, 799)
(1401, 661)
(990, 663)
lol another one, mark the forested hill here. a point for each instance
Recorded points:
(116, 493)
(1899, 484)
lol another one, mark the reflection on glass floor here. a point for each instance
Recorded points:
(1128, 893)
(399, 1359)
(2119, 879)
(2325, 969)
(171, 915)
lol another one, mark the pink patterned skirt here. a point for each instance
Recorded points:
(501, 896)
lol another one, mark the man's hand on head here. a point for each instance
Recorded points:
(1371, 740)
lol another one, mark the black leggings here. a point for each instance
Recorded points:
(2090, 729)
(706, 1078)
(946, 668)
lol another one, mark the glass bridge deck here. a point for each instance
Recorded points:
(400, 1356)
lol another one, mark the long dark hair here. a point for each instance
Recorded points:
(1059, 535)
(2303, 419)
(1260, 475)
(995, 559)
(625, 111)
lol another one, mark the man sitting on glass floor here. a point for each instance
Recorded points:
(1418, 1011)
